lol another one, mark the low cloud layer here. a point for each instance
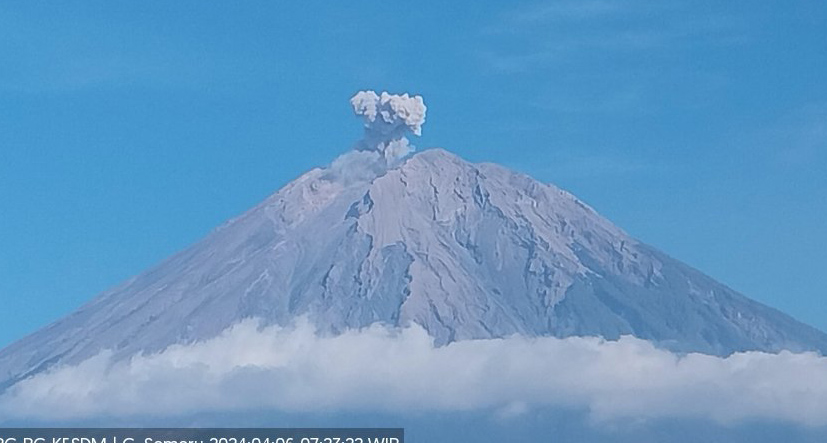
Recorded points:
(388, 119)
(391, 370)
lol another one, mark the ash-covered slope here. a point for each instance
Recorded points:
(468, 251)
(465, 250)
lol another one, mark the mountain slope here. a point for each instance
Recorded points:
(466, 250)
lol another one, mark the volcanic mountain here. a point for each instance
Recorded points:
(468, 251)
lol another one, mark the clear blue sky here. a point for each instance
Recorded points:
(128, 130)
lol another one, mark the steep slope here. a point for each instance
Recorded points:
(468, 251)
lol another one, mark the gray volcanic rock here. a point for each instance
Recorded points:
(466, 250)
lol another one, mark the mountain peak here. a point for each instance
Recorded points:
(437, 155)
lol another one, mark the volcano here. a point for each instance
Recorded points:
(467, 251)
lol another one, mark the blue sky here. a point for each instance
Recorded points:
(129, 130)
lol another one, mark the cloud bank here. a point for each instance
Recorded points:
(388, 119)
(379, 369)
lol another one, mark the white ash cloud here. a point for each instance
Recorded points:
(388, 119)
(400, 370)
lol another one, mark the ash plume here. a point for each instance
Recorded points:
(388, 118)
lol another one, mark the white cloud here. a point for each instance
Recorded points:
(381, 369)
